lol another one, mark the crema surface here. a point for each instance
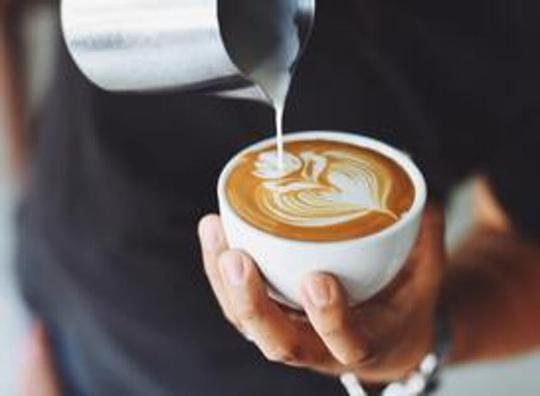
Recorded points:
(325, 191)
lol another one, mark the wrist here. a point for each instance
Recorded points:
(444, 335)
(423, 378)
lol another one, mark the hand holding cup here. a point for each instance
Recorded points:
(381, 340)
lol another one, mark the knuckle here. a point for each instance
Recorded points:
(287, 355)
(335, 328)
(358, 359)
(251, 312)
(352, 359)
(321, 358)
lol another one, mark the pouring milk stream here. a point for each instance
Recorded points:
(218, 47)
(270, 58)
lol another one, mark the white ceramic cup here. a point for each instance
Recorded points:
(364, 265)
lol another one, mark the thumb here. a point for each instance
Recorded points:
(326, 305)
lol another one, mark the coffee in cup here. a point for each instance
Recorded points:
(323, 191)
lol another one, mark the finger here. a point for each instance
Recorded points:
(213, 244)
(326, 307)
(280, 338)
(422, 273)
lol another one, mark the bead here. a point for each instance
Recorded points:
(416, 384)
(352, 385)
(395, 390)
(429, 365)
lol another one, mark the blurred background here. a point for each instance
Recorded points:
(517, 377)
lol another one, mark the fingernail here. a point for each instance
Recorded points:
(212, 240)
(233, 269)
(318, 292)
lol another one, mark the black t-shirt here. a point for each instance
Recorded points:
(108, 254)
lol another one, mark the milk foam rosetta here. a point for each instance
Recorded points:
(324, 191)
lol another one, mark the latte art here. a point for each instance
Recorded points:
(316, 190)
(322, 191)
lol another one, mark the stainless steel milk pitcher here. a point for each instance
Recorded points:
(205, 46)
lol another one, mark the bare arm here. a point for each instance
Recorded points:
(492, 290)
(11, 92)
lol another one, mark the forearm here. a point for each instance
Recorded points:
(492, 294)
(11, 91)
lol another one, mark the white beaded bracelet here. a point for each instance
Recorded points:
(415, 385)
(419, 382)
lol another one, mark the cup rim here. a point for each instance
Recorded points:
(354, 138)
